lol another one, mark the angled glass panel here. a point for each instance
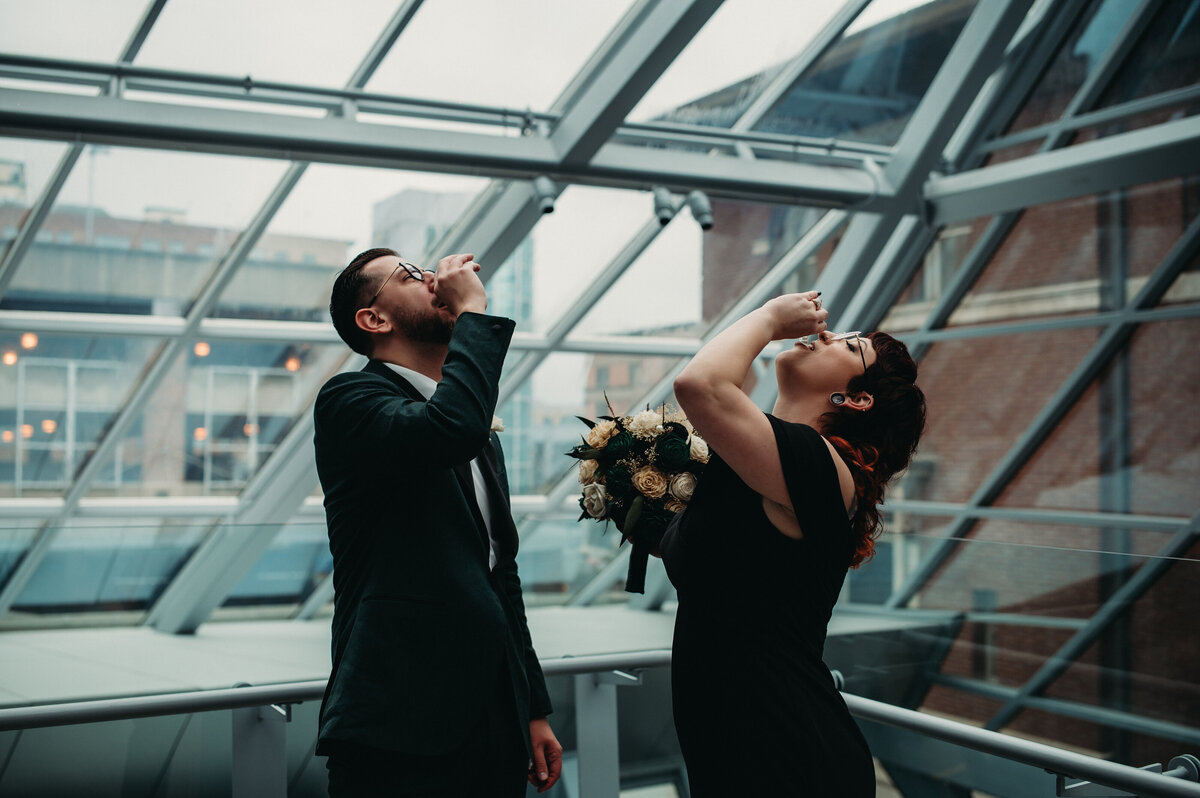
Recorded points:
(1098, 738)
(294, 563)
(58, 393)
(15, 537)
(1132, 667)
(106, 571)
(26, 167)
(1114, 452)
(982, 393)
(939, 266)
(1091, 37)
(311, 43)
(512, 55)
(138, 231)
(686, 280)
(588, 229)
(334, 213)
(712, 83)
(219, 414)
(76, 29)
(867, 85)
(1082, 255)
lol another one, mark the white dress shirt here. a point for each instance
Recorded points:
(426, 386)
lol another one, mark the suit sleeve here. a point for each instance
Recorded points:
(365, 412)
(510, 581)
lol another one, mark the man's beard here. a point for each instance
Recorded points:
(430, 328)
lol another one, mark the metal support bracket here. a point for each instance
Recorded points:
(596, 731)
(260, 750)
(1185, 767)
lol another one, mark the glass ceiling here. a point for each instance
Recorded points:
(180, 181)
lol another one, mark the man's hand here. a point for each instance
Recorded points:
(457, 286)
(547, 755)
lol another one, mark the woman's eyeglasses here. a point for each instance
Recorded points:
(856, 336)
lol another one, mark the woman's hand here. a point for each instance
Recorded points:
(796, 315)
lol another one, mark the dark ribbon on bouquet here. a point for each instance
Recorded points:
(645, 542)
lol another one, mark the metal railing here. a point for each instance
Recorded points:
(596, 679)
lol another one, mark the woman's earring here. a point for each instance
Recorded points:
(837, 399)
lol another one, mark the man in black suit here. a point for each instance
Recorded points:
(435, 689)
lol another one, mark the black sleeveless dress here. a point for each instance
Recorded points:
(755, 707)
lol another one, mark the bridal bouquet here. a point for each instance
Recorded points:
(638, 471)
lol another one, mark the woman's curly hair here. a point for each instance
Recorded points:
(878, 442)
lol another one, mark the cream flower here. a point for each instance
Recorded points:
(650, 482)
(699, 448)
(497, 424)
(587, 471)
(598, 435)
(645, 424)
(683, 485)
(594, 500)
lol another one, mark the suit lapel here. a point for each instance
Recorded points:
(502, 524)
(462, 471)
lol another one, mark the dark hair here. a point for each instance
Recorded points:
(351, 291)
(878, 442)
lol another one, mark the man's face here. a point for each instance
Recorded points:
(406, 297)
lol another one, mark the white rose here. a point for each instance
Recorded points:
(683, 485)
(645, 424)
(587, 471)
(699, 448)
(497, 424)
(594, 497)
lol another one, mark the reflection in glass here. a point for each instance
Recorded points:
(295, 562)
(1131, 444)
(1087, 43)
(107, 566)
(58, 393)
(939, 267)
(218, 416)
(867, 85)
(1080, 255)
(728, 84)
(982, 393)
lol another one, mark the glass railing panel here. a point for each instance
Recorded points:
(103, 572)
(295, 562)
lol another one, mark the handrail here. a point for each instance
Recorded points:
(1056, 760)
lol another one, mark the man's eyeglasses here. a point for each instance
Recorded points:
(414, 271)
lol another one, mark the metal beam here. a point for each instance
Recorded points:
(1109, 342)
(1126, 159)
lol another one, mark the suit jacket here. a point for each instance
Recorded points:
(423, 631)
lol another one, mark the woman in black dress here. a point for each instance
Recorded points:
(786, 505)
